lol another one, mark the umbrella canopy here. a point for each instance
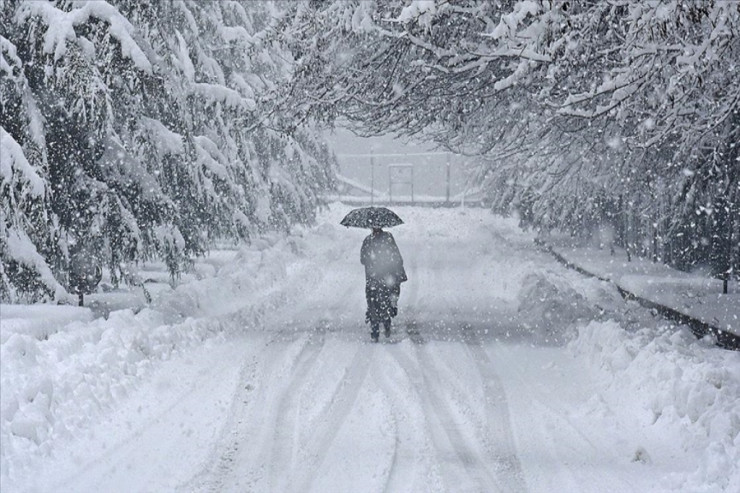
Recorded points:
(371, 217)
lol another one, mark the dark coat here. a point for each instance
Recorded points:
(384, 274)
(382, 259)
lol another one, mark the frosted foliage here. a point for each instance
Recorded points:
(167, 141)
(9, 60)
(23, 251)
(421, 11)
(140, 131)
(185, 64)
(574, 114)
(15, 168)
(60, 27)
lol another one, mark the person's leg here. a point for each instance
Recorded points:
(371, 296)
(394, 295)
(387, 324)
(383, 300)
(374, 330)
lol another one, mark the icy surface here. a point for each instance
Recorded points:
(505, 372)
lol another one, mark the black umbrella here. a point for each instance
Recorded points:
(371, 217)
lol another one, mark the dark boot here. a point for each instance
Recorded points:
(374, 331)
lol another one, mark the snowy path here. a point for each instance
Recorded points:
(327, 413)
(328, 410)
(460, 398)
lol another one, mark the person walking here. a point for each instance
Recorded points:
(384, 274)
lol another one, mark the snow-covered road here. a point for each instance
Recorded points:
(504, 372)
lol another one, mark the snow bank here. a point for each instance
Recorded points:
(53, 386)
(39, 321)
(549, 306)
(684, 393)
(693, 294)
(62, 370)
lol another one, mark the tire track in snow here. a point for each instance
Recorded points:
(501, 450)
(227, 446)
(342, 401)
(243, 460)
(268, 446)
(552, 424)
(393, 469)
(465, 468)
(413, 449)
(282, 447)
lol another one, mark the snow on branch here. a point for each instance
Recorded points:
(14, 162)
(210, 156)
(420, 11)
(183, 58)
(7, 65)
(509, 23)
(214, 93)
(234, 34)
(22, 250)
(167, 141)
(61, 28)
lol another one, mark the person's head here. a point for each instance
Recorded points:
(377, 230)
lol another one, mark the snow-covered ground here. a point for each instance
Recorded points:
(505, 372)
(697, 295)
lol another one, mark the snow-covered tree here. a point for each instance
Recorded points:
(582, 111)
(152, 129)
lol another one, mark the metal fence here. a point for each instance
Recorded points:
(424, 178)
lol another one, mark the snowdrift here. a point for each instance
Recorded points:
(686, 394)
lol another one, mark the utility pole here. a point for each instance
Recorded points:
(372, 177)
(412, 185)
(447, 194)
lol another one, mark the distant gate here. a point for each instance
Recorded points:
(424, 178)
(400, 175)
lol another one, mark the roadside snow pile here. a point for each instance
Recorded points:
(39, 321)
(62, 369)
(52, 385)
(684, 394)
(549, 307)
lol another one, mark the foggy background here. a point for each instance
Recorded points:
(429, 165)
